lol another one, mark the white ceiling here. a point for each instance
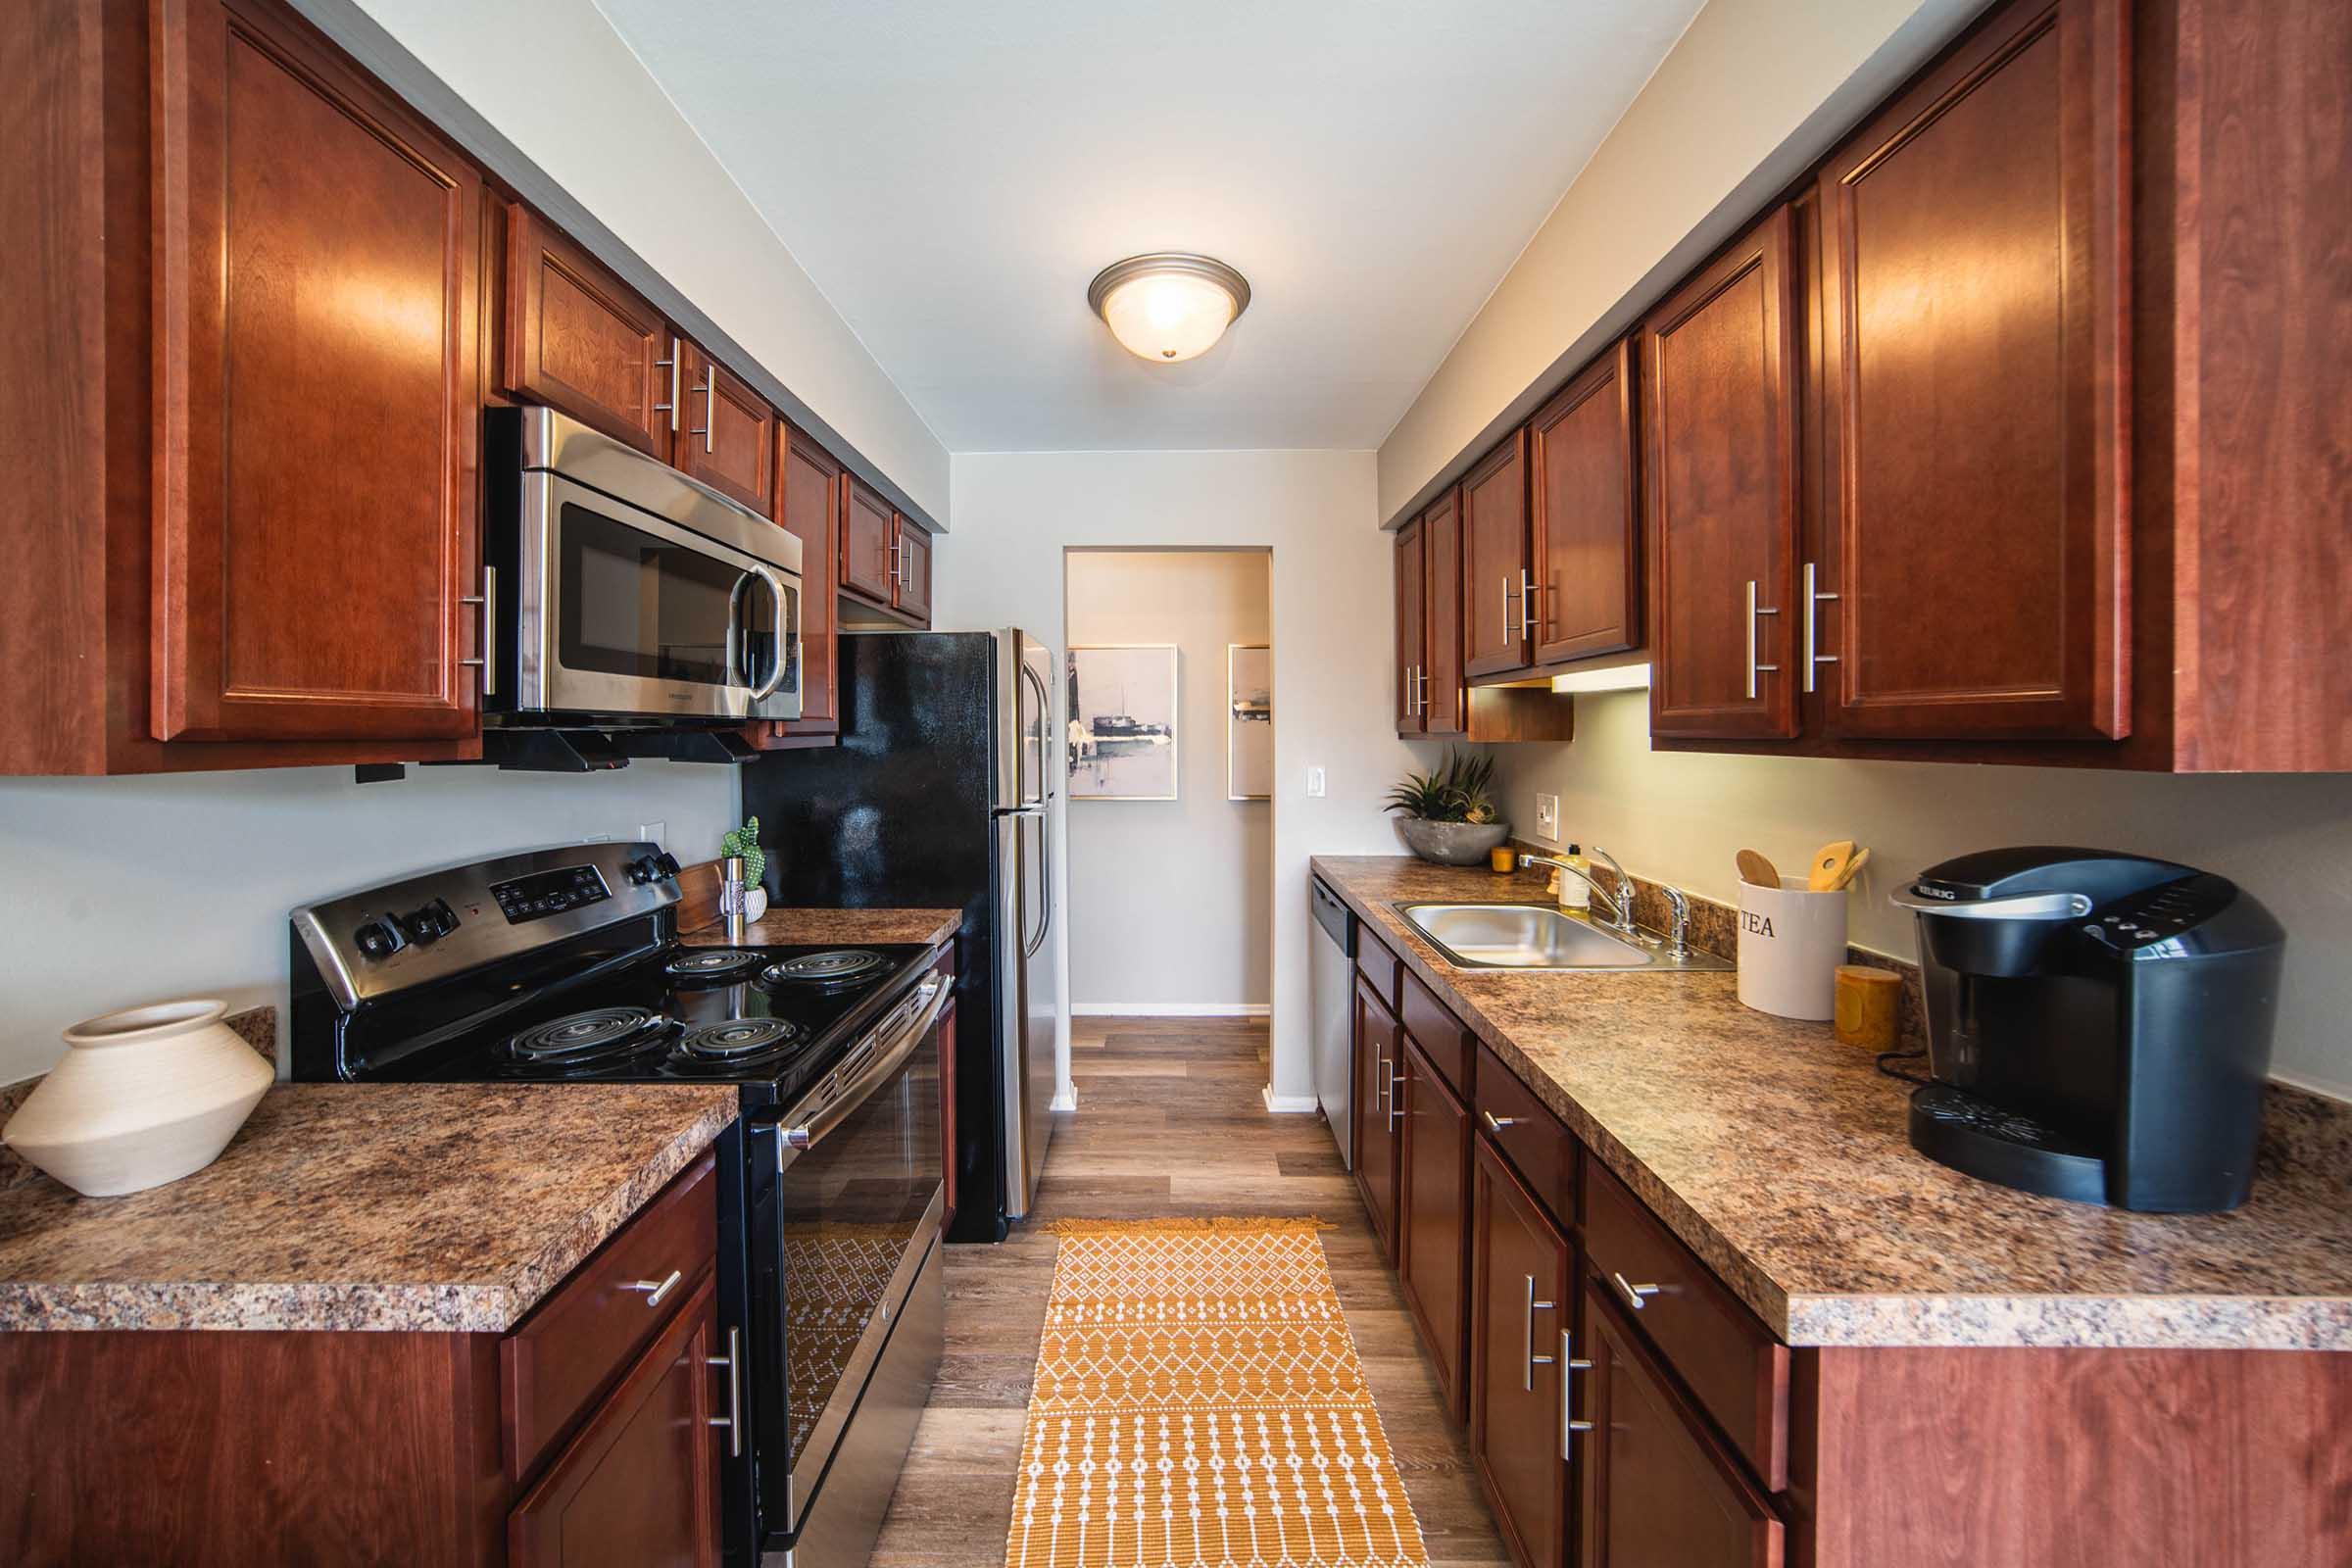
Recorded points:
(952, 172)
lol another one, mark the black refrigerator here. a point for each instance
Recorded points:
(940, 795)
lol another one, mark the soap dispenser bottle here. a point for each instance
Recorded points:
(1574, 892)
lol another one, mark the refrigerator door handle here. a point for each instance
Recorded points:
(1044, 881)
(1035, 734)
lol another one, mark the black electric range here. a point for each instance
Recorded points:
(564, 966)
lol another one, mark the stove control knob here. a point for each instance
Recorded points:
(379, 939)
(642, 870)
(431, 922)
(667, 864)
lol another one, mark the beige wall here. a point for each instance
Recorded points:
(1002, 566)
(1753, 92)
(1681, 815)
(1171, 901)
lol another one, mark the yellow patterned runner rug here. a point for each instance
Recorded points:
(1199, 1405)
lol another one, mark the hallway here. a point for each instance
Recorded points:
(1170, 1122)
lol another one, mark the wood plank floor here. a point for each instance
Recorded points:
(1169, 1122)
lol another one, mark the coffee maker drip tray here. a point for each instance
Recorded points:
(1973, 1135)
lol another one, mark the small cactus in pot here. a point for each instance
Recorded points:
(745, 841)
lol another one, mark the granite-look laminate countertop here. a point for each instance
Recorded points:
(811, 928)
(1782, 1159)
(441, 1207)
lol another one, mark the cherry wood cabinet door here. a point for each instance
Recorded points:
(1975, 318)
(1412, 627)
(1444, 707)
(1377, 1067)
(866, 539)
(1522, 1277)
(1719, 413)
(726, 432)
(1432, 1192)
(1658, 1487)
(1588, 514)
(318, 389)
(638, 1484)
(808, 506)
(912, 586)
(1496, 569)
(579, 340)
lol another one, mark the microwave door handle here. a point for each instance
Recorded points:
(929, 1000)
(735, 650)
(775, 675)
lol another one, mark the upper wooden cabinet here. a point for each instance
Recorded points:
(317, 250)
(1720, 407)
(1586, 519)
(1497, 621)
(1429, 620)
(1975, 249)
(911, 591)
(1412, 624)
(867, 535)
(579, 340)
(726, 432)
(809, 497)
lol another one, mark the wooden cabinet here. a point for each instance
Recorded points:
(580, 341)
(1523, 1281)
(808, 504)
(912, 589)
(1657, 1487)
(1378, 1067)
(1497, 623)
(1587, 523)
(317, 250)
(868, 533)
(1429, 620)
(1433, 1201)
(1412, 624)
(1975, 250)
(726, 432)
(1719, 413)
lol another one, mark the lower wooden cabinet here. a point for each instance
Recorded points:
(1432, 1202)
(1522, 1274)
(638, 1484)
(1378, 1047)
(1658, 1487)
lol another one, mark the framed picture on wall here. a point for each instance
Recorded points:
(1248, 721)
(1122, 732)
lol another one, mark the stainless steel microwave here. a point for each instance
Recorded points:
(622, 594)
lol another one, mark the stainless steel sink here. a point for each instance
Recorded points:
(1526, 936)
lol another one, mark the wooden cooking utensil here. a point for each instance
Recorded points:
(1754, 867)
(1829, 864)
(1853, 870)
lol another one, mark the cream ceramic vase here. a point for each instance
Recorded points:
(144, 1097)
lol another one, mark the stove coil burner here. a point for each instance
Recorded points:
(737, 1038)
(607, 1034)
(711, 964)
(836, 968)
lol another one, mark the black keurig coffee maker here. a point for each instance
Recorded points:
(2098, 1026)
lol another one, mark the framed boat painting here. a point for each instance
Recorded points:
(1122, 732)
(1248, 721)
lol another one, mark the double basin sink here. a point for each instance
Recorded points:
(1528, 936)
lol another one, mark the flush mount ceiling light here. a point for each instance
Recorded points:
(1168, 305)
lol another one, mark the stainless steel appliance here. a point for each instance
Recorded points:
(562, 965)
(1330, 988)
(620, 593)
(2099, 1025)
(942, 793)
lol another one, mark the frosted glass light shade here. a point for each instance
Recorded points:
(1169, 306)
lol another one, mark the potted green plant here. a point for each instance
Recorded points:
(1448, 816)
(744, 841)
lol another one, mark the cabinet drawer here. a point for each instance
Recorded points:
(1539, 1147)
(1436, 1030)
(1377, 964)
(578, 1341)
(1730, 1361)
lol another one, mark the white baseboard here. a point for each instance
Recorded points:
(1068, 1102)
(1288, 1105)
(1170, 1009)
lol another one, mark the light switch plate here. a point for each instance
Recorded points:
(1547, 817)
(1314, 781)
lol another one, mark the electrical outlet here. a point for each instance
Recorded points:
(1314, 781)
(1547, 817)
(652, 832)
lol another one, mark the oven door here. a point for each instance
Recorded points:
(844, 1230)
(626, 612)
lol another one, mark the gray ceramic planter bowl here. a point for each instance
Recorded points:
(1452, 843)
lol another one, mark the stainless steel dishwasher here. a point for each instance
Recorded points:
(1330, 991)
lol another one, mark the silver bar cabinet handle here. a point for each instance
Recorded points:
(1421, 677)
(709, 391)
(1635, 1296)
(1506, 609)
(1754, 668)
(654, 1289)
(488, 600)
(671, 366)
(1528, 1360)
(733, 1419)
(1496, 1124)
(1529, 625)
(1570, 1426)
(1395, 1105)
(1406, 675)
(1813, 602)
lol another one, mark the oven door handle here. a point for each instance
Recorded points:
(900, 1033)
